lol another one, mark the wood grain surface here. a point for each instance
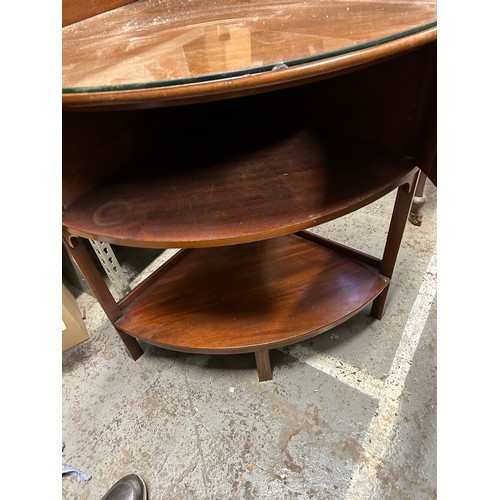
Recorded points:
(196, 197)
(247, 297)
(144, 48)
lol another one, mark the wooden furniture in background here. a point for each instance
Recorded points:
(228, 133)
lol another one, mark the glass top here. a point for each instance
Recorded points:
(158, 43)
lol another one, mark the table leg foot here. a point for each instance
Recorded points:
(378, 305)
(418, 202)
(132, 345)
(416, 215)
(264, 369)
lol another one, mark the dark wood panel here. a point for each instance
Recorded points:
(383, 104)
(248, 297)
(206, 195)
(96, 146)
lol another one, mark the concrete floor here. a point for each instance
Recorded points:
(350, 414)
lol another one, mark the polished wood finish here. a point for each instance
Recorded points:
(241, 298)
(83, 259)
(263, 362)
(391, 104)
(80, 253)
(225, 131)
(203, 200)
(209, 90)
(152, 41)
(162, 53)
(376, 105)
(402, 205)
(97, 146)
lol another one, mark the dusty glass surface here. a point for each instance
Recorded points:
(154, 43)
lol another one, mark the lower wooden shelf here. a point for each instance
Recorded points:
(249, 297)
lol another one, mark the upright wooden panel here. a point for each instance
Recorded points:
(382, 104)
(96, 146)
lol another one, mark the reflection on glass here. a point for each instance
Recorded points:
(151, 43)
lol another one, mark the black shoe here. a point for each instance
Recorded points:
(130, 487)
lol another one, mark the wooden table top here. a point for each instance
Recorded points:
(190, 49)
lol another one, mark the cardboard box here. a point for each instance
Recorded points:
(74, 331)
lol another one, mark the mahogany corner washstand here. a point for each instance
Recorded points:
(227, 132)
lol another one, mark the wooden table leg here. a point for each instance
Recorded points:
(264, 369)
(84, 261)
(399, 217)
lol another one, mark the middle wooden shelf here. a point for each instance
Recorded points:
(201, 199)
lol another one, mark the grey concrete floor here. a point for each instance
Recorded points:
(350, 414)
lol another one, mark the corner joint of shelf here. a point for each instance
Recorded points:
(411, 181)
(68, 238)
